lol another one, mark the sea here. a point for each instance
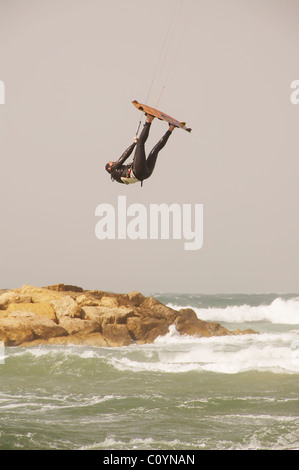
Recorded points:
(180, 393)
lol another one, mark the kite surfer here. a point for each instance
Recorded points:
(142, 167)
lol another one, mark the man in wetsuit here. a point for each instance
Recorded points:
(141, 168)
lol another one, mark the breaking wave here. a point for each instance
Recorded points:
(277, 353)
(280, 311)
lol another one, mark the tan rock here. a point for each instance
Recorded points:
(146, 330)
(93, 312)
(187, 314)
(136, 298)
(248, 331)
(156, 308)
(124, 301)
(67, 306)
(4, 314)
(110, 302)
(40, 309)
(216, 329)
(98, 298)
(13, 297)
(77, 326)
(187, 323)
(93, 339)
(23, 326)
(13, 331)
(45, 328)
(116, 334)
(108, 315)
(87, 300)
(22, 315)
(39, 294)
(64, 288)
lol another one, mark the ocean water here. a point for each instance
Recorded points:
(182, 392)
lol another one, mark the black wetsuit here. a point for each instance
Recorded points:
(141, 166)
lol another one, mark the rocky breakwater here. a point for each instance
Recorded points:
(63, 314)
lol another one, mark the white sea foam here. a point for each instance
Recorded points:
(175, 353)
(280, 311)
(224, 354)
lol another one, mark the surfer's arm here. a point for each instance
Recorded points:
(123, 158)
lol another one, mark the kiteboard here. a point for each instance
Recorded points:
(162, 116)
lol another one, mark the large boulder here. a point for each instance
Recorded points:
(155, 308)
(88, 300)
(136, 298)
(67, 307)
(65, 288)
(40, 309)
(13, 297)
(187, 323)
(108, 315)
(39, 294)
(110, 302)
(14, 332)
(45, 328)
(147, 329)
(22, 327)
(75, 326)
(116, 334)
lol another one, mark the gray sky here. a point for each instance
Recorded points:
(71, 69)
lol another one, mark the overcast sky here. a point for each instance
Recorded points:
(71, 69)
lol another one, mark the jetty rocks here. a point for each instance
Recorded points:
(63, 314)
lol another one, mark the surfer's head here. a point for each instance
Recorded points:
(108, 167)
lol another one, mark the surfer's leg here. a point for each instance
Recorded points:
(152, 158)
(139, 162)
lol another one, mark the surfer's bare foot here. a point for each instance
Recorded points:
(171, 127)
(150, 118)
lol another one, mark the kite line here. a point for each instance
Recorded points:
(171, 32)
